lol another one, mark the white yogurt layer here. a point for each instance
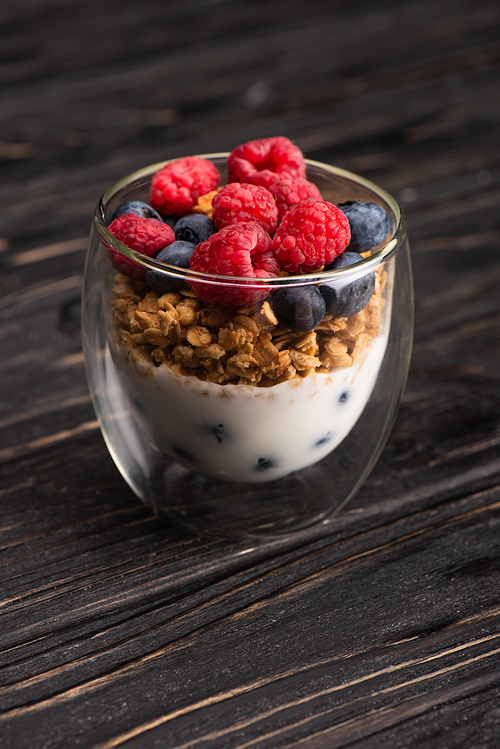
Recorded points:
(246, 433)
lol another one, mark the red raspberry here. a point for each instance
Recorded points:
(237, 250)
(145, 235)
(311, 235)
(289, 191)
(240, 202)
(261, 162)
(177, 186)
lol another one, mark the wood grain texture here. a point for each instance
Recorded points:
(378, 627)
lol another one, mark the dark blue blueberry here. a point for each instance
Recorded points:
(344, 397)
(138, 405)
(324, 439)
(183, 454)
(300, 307)
(178, 254)
(195, 228)
(263, 464)
(369, 224)
(218, 431)
(347, 300)
(138, 208)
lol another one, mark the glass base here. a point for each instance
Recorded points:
(234, 510)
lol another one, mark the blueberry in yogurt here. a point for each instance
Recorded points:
(348, 300)
(183, 454)
(218, 431)
(323, 440)
(263, 464)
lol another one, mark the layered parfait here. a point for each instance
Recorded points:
(247, 380)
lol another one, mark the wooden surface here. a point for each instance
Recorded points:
(380, 628)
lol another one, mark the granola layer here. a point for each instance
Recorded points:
(247, 346)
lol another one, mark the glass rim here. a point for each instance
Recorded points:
(347, 273)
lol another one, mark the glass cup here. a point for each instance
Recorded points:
(239, 459)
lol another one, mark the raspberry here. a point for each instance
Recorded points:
(240, 202)
(176, 187)
(145, 235)
(311, 235)
(262, 162)
(237, 250)
(289, 191)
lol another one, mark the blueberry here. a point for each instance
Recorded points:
(138, 208)
(263, 464)
(352, 298)
(195, 228)
(138, 405)
(301, 307)
(183, 454)
(343, 398)
(178, 254)
(218, 431)
(369, 224)
(324, 439)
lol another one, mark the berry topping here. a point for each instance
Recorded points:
(178, 254)
(145, 235)
(195, 228)
(263, 161)
(237, 250)
(137, 208)
(239, 202)
(177, 186)
(289, 191)
(348, 300)
(311, 235)
(369, 223)
(300, 307)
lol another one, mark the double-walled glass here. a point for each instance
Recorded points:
(238, 459)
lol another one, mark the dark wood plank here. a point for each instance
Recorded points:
(380, 626)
